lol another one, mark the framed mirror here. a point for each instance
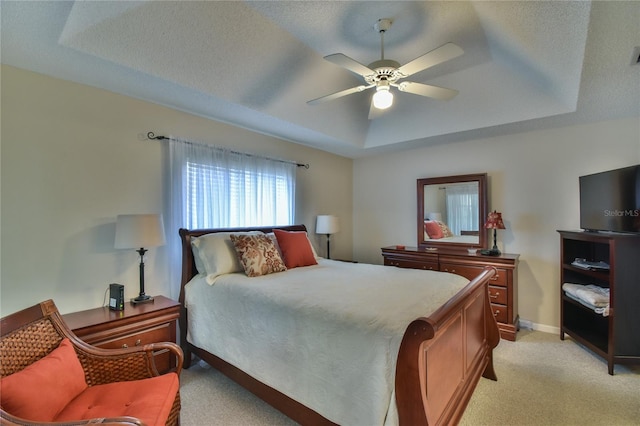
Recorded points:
(452, 211)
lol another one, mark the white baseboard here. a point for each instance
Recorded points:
(529, 325)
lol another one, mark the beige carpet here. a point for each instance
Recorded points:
(541, 381)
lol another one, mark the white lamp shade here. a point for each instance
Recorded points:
(327, 224)
(139, 230)
(435, 216)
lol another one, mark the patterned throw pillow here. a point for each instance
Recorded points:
(446, 232)
(257, 254)
(215, 255)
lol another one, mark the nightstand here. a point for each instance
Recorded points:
(135, 326)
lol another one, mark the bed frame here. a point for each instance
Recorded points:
(440, 361)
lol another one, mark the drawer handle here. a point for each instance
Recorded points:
(496, 313)
(494, 296)
(138, 343)
(494, 278)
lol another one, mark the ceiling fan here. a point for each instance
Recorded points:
(386, 73)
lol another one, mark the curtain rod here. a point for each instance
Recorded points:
(152, 136)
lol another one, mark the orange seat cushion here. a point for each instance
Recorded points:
(42, 389)
(149, 400)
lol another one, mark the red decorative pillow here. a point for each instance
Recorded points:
(44, 388)
(296, 248)
(433, 230)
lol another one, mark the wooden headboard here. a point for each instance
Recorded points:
(188, 264)
(189, 271)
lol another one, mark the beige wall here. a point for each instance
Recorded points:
(533, 181)
(72, 160)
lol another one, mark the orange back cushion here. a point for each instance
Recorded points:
(44, 388)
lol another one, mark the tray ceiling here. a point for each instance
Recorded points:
(255, 64)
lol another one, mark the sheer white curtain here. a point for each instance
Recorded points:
(462, 208)
(212, 187)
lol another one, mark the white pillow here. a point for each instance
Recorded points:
(214, 254)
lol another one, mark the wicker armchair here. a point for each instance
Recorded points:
(31, 334)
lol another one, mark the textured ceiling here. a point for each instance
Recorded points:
(527, 64)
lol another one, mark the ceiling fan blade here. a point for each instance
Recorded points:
(436, 56)
(351, 64)
(338, 94)
(435, 92)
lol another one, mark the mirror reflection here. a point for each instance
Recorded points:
(452, 210)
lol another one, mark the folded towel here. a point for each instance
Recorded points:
(590, 295)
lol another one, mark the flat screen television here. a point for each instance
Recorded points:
(610, 201)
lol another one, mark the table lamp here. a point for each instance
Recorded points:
(327, 224)
(494, 221)
(139, 231)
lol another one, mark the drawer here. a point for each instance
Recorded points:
(499, 312)
(498, 295)
(161, 333)
(470, 272)
(413, 264)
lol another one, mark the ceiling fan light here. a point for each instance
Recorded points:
(383, 98)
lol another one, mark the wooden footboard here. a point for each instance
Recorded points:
(440, 361)
(442, 357)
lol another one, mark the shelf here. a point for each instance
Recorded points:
(585, 337)
(568, 299)
(601, 275)
(613, 337)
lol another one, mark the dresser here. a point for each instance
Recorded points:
(503, 289)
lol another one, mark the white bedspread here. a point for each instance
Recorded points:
(462, 239)
(326, 335)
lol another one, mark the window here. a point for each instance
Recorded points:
(462, 208)
(231, 196)
(210, 187)
(218, 188)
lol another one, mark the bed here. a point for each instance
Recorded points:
(321, 360)
(468, 240)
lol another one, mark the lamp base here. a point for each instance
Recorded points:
(492, 252)
(142, 299)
